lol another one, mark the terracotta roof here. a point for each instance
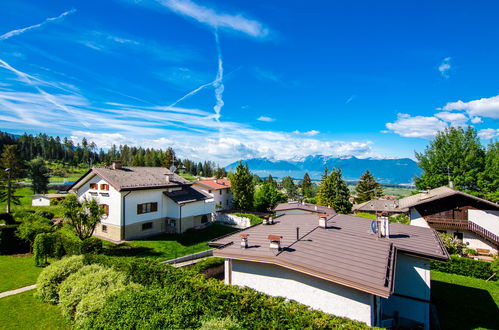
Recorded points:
(346, 252)
(214, 184)
(134, 178)
(438, 193)
(382, 205)
(187, 195)
(304, 207)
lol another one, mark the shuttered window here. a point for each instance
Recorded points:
(147, 208)
(105, 207)
(94, 186)
(104, 186)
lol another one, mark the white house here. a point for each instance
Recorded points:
(337, 264)
(143, 201)
(45, 199)
(219, 189)
(473, 220)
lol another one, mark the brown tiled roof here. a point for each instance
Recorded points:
(214, 184)
(381, 205)
(346, 252)
(304, 207)
(187, 195)
(135, 178)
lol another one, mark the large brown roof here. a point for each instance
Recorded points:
(346, 252)
(304, 207)
(380, 205)
(135, 178)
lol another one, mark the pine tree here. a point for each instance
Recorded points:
(489, 178)
(267, 197)
(169, 159)
(242, 187)
(306, 186)
(333, 192)
(39, 175)
(367, 188)
(11, 170)
(290, 187)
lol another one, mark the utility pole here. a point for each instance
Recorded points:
(9, 186)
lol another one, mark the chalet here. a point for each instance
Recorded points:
(143, 201)
(473, 220)
(381, 205)
(302, 208)
(339, 265)
(219, 189)
(46, 199)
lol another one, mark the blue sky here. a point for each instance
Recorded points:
(224, 80)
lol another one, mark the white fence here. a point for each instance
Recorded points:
(232, 219)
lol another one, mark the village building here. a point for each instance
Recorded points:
(338, 264)
(302, 208)
(46, 199)
(143, 201)
(381, 205)
(219, 189)
(473, 220)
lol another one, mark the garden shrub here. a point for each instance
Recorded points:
(46, 214)
(33, 225)
(7, 219)
(465, 266)
(452, 244)
(91, 245)
(218, 323)
(9, 242)
(207, 264)
(52, 276)
(254, 220)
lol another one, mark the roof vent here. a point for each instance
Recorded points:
(322, 220)
(275, 243)
(244, 241)
(116, 165)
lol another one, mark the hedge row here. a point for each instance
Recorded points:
(465, 266)
(57, 245)
(174, 298)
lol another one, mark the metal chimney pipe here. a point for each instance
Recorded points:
(297, 233)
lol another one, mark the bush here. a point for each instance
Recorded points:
(465, 266)
(49, 280)
(254, 220)
(401, 218)
(91, 245)
(471, 252)
(32, 226)
(7, 219)
(9, 242)
(207, 264)
(225, 323)
(453, 245)
(46, 214)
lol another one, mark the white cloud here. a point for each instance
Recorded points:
(476, 120)
(444, 67)
(454, 118)
(266, 119)
(308, 133)
(488, 133)
(36, 26)
(216, 19)
(417, 126)
(484, 107)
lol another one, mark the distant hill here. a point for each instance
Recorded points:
(388, 171)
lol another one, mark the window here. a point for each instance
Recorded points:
(147, 208)
(105, 207)
(220, 191)
(104, 228)
(104, 186)
(147, 225)
(94, 186)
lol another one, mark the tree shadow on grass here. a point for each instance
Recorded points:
(462, 307)
(125, 250)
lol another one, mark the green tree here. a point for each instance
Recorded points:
(267, 197)
(306, 186)
(367, 188)
(169, 158)
(32, 225)
(82, 217)
(333, 192)
(39, 175)
(242, 187)
(489, 178)
(454, 155)
(12, 168)
(290, 187)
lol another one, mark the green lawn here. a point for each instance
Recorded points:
(17, 272)
(167, 247)
(465, 302)
(24, 311)
(25, 198)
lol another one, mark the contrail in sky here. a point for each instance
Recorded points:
(36, 26)
(218, 82)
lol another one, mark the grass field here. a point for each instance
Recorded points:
(167, 246)
(464, 302)
(25, 198)
(17, 272)
(24, 311)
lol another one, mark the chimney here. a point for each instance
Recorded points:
(316, 207)
(297, 233)
(322, 220)
(451, 184)
(244, 241)
(216, 181)
(271, 220)
(383, 225)
(169, 177)
(116, 165)
(275, 243)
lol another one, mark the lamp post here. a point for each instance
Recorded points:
(8, 189)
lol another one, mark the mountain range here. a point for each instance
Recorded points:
(387, 171)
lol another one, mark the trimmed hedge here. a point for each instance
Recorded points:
(254, 220)
(57, 245)
(465, 266)
(207, 264)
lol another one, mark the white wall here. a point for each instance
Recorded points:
(226, 198)
(40, 201)
(417, 219)
(317, 293)
(485, 218)
(412, 279)
(136, 197)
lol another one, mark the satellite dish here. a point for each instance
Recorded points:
(374, 227)
(173, 168)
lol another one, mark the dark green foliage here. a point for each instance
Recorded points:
(219, 323)
(466, 267)
(7, 219)
(267, 197)
(9, 242)
(243, 187)
(57, 245)
(401, 218)
(33, 225)
(367, 188)
(46, 214)
(91, 245)
(207, 264)
(333, 192)
(306, 186)
(454, 154)
(452, 244)
(169, 158)
(254, 220)
(290, 187)
(11, 169)
(39, 175)
(81, 217)
(488, 180)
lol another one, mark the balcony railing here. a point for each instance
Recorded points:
(441, 223)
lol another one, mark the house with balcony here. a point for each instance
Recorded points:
(219, 190)
(471, 219)
(143, 201)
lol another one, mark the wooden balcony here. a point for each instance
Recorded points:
(440, 223)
